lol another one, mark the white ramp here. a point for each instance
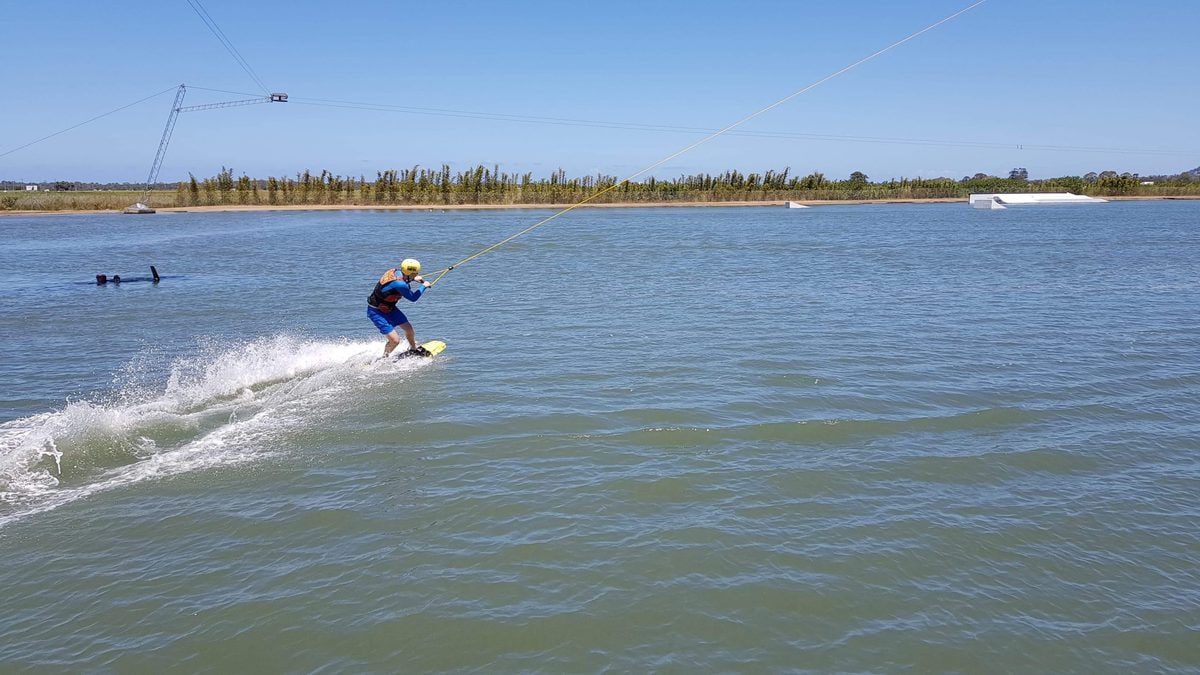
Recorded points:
(991, 204)
(986, 200)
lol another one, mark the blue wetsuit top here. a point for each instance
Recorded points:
(392, 287)
(407, 292)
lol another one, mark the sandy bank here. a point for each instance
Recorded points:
(549, 207)
(475, 207)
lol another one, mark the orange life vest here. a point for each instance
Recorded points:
(378, 299)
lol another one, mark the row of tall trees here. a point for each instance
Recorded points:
(489, 186)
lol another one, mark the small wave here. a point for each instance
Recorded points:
(828, 431)
(221, 404)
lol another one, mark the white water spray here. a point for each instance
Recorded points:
(221, 405)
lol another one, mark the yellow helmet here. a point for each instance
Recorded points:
(410, 267)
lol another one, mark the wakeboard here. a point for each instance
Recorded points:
(427, 349)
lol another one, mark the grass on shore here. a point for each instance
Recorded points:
(116, 200)
(89, 200)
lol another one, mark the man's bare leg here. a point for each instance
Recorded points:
(393, 338)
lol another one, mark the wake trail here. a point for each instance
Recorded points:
(221, 405)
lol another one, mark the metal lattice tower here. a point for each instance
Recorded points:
(176, 108)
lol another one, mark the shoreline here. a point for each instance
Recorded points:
(232, 208)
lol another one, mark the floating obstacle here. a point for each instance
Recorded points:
(994, 200)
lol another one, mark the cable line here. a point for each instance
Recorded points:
(220, 35)
(220, 91)
(730, 127)
(788, 135)
(76, 126)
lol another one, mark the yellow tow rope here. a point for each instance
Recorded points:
(441, 273)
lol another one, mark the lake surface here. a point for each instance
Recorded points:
(850, 438)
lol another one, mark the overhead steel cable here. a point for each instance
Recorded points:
(227, 43)
(221, 91)
(87, 121)
(441, 273)
(664, 128)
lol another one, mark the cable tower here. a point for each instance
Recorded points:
(142, 206)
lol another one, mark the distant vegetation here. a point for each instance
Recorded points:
(489, 186)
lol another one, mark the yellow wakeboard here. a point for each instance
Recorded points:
(433, 347)
(428, 349)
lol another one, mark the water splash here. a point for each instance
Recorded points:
(220, 404)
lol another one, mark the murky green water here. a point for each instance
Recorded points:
(854, 438)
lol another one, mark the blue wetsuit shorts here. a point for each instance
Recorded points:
(386, 321)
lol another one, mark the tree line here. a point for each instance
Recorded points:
(484, 185)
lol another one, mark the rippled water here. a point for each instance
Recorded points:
(853, 438)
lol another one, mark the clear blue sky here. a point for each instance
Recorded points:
(1094, 74)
